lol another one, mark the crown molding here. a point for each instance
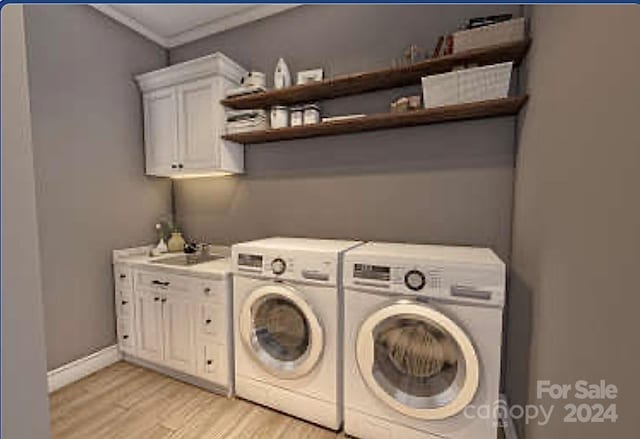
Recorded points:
(131, 23)
(206, 66)
(204, 30)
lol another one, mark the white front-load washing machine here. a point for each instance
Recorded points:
(288, 326)
(423, 333)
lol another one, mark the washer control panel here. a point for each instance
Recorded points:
(309, 268)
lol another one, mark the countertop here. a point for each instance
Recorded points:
(140, 257)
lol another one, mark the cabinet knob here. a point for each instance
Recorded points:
(208, 321)
(125, 337)
(123, 276)
(124, 302)
(209, 362)
(164, 299)
(174, 166)
(180, 166)
(155, 299)
(207, 290)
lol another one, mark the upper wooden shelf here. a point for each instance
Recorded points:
(379, 79)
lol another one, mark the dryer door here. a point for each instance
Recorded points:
(417, 360)
(281, 330)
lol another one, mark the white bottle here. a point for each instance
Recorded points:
(282, 76)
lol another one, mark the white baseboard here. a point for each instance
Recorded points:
(82, 367)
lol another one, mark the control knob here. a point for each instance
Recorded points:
(278, 266)
(415, 280)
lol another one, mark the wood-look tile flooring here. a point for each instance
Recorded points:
(127, 401)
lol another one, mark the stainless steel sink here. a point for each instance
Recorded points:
(184, 260)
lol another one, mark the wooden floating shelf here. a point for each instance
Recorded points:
(474, 110)
(379, 79)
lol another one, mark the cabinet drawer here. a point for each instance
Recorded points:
(125, 334)
(124, 304)
(158, 281)
(213, 363)
(210, 290)
(123, 277)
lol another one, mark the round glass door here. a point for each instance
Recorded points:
(417, 360)
(281, 331)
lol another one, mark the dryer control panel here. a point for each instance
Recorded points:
(429, 276)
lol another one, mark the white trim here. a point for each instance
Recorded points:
(365, 357)
(131, 23)
(227, 22)
(215, 64)
(215, 26)
(82, 367)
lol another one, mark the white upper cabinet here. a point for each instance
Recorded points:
(184, 121)
(161, 131)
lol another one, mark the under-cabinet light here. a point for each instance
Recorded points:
(206, 174)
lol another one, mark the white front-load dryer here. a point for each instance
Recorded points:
(288, 326)
(423, 333)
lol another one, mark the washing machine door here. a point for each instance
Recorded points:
(417, 360)
(281, 330)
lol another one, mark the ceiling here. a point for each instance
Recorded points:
(172, 25)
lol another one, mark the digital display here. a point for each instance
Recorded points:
(374, 272)
(248, 260)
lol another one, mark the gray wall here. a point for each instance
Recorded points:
(24, 386)
(576, 241)
(92, 195)
(450, 183)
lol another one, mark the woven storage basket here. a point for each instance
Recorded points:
(499, 33)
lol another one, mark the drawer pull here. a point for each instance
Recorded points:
(207, 290)
(158, 282)
(124, 337)
(209, 362)
(208, 321)
(155, 299)
(124, 302)
(164, 299)
(123, 276)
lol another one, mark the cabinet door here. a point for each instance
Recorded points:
(178, 318)
(161, 131)
(198, 131)
(148, 312)
(212, 320)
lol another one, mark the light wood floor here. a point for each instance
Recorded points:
(127, 401)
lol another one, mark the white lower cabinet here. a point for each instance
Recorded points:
(177, 322)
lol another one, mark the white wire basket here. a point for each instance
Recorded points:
(469, 85)
(440, 90)
(484, 83)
